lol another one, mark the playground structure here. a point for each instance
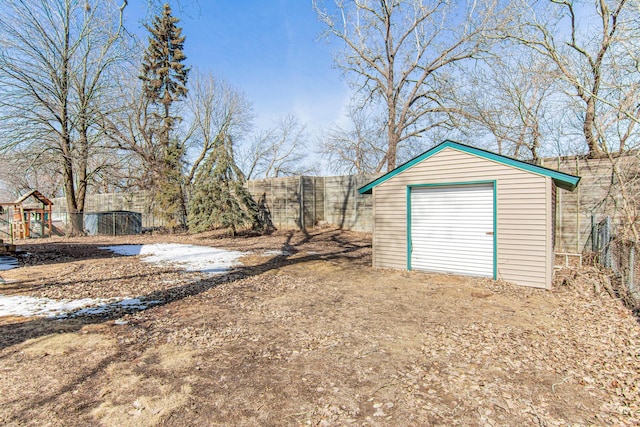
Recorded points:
(29, 216)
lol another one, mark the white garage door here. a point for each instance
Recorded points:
(452, 229)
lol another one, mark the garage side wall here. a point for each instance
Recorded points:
(522, 217)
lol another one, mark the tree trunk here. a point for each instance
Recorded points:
(588, 126)
(392, 152)
(76, 220)
(82, 166)
(75, 215)
(392, 129)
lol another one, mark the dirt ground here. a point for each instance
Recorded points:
(310, 336)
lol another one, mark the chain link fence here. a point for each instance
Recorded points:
(620, 256)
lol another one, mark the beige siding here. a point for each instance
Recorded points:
(523, 214)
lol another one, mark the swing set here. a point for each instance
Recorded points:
(29, 216)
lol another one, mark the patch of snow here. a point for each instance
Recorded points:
(190, 257)
(126, 250)
(7, 263)
(19, 305)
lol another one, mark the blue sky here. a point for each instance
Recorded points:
(267, 49)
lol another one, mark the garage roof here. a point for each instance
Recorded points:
(561, 179)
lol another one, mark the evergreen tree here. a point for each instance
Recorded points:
(219, 199)
(170, 195)
(164, 79)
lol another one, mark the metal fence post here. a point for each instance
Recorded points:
(594, 232)
(606, 240)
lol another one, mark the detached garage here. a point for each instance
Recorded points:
(462, 210)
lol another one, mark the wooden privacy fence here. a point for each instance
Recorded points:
(293, 203)
(308, 201)
(599, 194)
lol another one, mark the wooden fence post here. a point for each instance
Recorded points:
(301, 205)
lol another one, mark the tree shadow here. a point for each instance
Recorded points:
(60, 253)
(16, 333)
(21, 285)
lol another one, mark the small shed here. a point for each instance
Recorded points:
(463, 210)
(113, 223)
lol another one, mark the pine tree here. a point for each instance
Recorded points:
(219, 199)
(170, 195)
(164, 79)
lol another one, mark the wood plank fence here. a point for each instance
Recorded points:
(599, 195)
(293, 202)
(308, 201)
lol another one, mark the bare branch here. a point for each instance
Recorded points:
(397, 53)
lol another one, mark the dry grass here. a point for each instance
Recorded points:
(316, 337)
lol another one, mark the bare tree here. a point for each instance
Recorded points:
(356, 148)
(23, 171)
(403, 53)
(214, 110)
(511, 100)
(586, 41)
(100, 54)
(278, 151)
(128, 128)
(594, 47)
(54, 67)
